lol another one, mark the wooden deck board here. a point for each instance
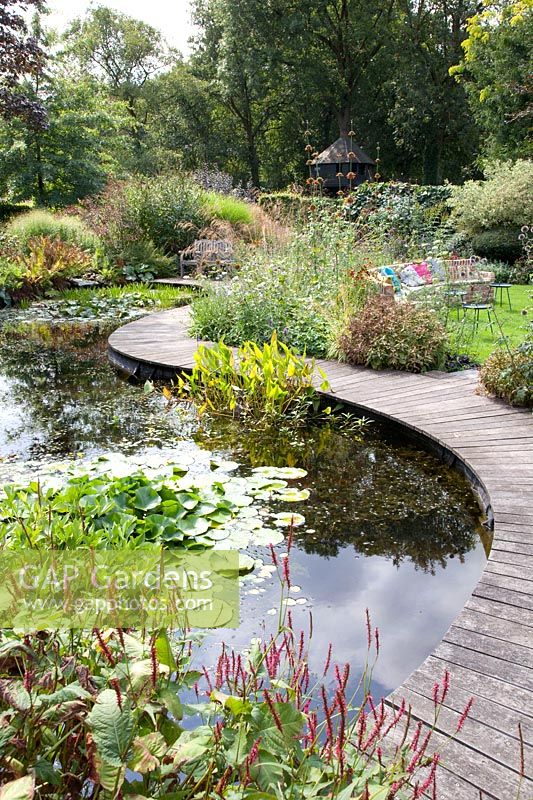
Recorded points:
(488, 649)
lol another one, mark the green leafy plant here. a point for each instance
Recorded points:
(261, 382)
(135, 273)
(388, 335)
(143, 258)
(49, 261)
(302, 288)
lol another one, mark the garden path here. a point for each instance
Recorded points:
(488, 649)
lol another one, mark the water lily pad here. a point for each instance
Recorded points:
(193, 525)
(266, 536)
(146, 498)
(225, 466)
(218, 534)
(246, 564)
(248, 511)
(240, 499)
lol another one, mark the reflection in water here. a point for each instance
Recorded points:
(387, 526)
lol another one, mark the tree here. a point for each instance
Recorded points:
(20, 55)
(240, 53)
(125, 55)
(428, 110)
(188, 125)
(83, 144)
(344, 40)
(497, 73)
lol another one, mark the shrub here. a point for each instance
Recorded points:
(38, 223)
(493, 211)
(263, 383)
(509, 374)
(287, 206)
(408, 219)
(8, 210)
(388, 335)
(169, 211)
(213, 179)
(498, 244)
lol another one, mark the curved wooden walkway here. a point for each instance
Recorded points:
(488, 649)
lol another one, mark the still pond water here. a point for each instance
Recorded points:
(387, 526)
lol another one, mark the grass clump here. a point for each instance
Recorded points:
(226, 208)
(69, 229)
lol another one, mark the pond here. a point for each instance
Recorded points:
(387, 526)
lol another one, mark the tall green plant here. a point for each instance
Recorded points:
(261, 382)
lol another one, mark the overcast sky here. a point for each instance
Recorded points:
(172, 17)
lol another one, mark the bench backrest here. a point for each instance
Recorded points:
(201, 247)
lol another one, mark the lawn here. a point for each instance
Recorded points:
(511, 324)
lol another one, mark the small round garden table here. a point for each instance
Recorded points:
(477, 308)
(500, 288)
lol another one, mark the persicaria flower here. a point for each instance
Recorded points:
(465, 714)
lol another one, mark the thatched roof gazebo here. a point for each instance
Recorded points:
(343, 156)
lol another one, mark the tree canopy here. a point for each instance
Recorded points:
(437, 85)
(20, 55)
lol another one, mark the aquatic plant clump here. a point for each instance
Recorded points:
(167, 505)
(260, 382)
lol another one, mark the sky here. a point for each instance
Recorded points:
(172, 17)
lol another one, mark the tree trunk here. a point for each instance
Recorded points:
(253, 156)
(344, 120)
(432, 158)
(41, 198)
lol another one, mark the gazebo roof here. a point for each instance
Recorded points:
(337, 153)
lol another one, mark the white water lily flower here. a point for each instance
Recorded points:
(286, 520)
(290, 473)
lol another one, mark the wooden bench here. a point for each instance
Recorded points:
(206, 251)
